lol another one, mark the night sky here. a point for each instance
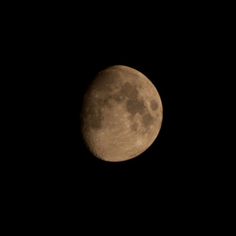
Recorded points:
(62, 54)
(170, 58)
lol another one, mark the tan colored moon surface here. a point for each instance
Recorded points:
(122, 114)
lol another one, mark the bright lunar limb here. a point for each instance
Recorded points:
(122, 114)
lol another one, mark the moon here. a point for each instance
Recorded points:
(121, 114)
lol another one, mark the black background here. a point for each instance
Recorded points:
(171, 56)
(59, 52)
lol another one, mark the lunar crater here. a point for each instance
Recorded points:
(134, 127)
(118, 97)
(147, 120)
(94, 119)
(130, 91)
(135, 106)
(154, 105)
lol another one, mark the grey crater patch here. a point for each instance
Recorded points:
(118, 97)
(105, 82)
(127, 94)
(92, 114)
(147, 120)
(134, 127)
(154, 105)
(129, 91)
(135, 106)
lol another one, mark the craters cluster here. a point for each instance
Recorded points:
(134, 126)
(154, 105)
(92, 114)
(105, 82)
(147, 120)
(134, 104)
(127, 94)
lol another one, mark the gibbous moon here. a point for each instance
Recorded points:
(121, 114)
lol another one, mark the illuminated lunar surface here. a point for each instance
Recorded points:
(122, 114)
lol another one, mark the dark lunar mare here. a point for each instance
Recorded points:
(134, 104)
(127, 93)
